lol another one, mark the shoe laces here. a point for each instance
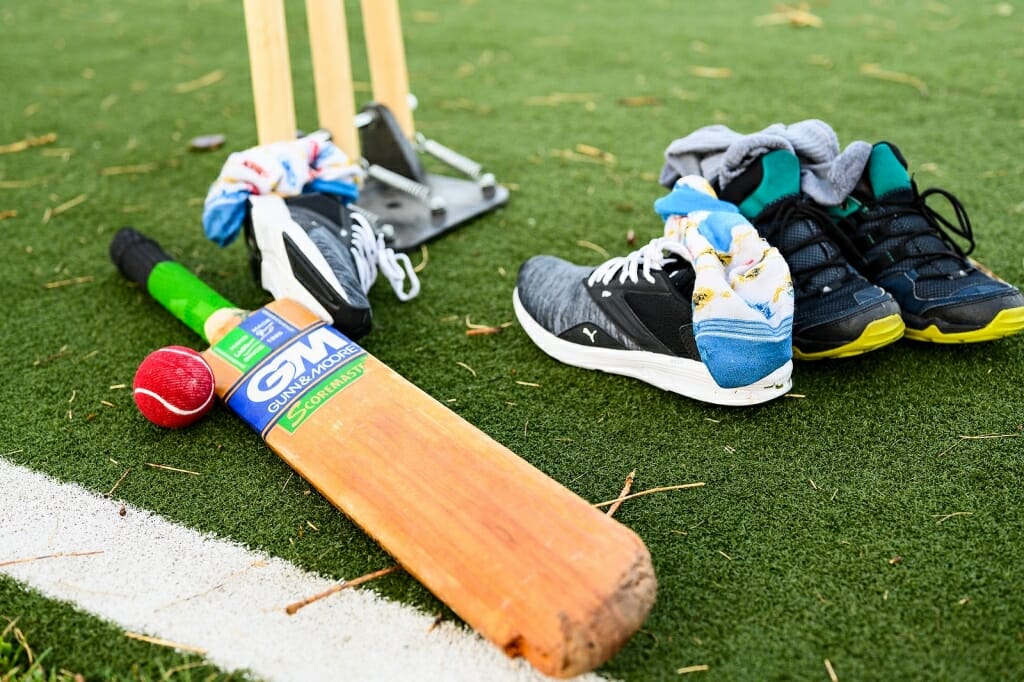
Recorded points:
(651, 257)
(932, 224)
(370, 253)
(805, 277)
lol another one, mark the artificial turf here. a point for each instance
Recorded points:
(856, 523)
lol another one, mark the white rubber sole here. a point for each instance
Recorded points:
(678, 375)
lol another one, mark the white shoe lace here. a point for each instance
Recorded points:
(650, 257)
(370, 253)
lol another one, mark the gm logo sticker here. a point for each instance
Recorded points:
(311, 360)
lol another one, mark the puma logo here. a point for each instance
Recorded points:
(590, 334)
(605, 293)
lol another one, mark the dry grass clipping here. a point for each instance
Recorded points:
(201, 82)
(28, 143)
(798, 17)
(875, 71)
(711, 71)
(291, 609)
(165, 642)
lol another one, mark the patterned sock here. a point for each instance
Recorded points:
(743, 294)
(308, 164)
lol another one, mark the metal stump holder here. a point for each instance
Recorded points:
(405, 203)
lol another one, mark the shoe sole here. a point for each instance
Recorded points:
(876, 334)
(1005, 323)
(689, 378)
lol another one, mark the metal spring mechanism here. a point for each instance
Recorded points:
(449, 156)
(407, 185)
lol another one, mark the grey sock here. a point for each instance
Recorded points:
(720, 154)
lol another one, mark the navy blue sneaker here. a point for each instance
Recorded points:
(901, 244)
(838, 312)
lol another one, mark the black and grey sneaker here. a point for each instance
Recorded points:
(838, 312)
(903, 245)
(312, 249)
(633, 316)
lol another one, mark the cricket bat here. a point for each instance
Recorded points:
(527, 563)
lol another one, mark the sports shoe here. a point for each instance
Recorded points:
(838, 312)
(654, 316)
(901, 244)
(312, 249)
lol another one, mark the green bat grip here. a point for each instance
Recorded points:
(143, 261)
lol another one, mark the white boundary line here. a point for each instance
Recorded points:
(167, 581)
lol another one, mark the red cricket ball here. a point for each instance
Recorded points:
(173, 387)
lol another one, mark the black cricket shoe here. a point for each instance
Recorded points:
(838, 312)
(903, 245)
(633, 316)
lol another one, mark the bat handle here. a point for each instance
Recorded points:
(143, 261)
(135, 255)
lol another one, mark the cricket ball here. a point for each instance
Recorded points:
(173, 387)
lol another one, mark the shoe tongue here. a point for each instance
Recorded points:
(680, 273)
(886, 173)
(774, 176)
(886, 177)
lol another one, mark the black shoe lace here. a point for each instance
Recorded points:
(795, 209)
(934, 224)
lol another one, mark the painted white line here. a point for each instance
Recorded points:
(164, 580)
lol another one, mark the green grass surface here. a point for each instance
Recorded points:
(788, 556)
(53, 642)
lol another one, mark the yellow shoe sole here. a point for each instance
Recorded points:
(879, 333)
(1006, 323)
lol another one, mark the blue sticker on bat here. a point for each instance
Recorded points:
(298, 371)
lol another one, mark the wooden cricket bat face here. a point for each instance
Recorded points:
(523, 560)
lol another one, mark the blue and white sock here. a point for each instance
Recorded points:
(308, 164)
(743, 294)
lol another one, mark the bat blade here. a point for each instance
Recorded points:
(524, 561)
